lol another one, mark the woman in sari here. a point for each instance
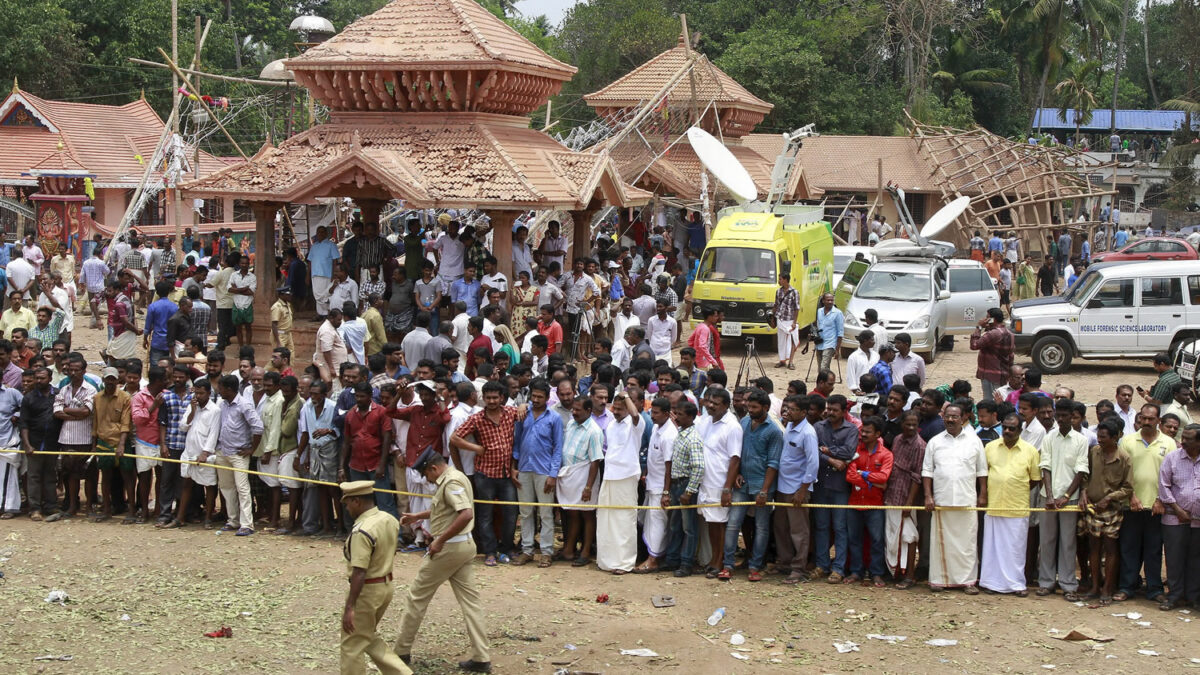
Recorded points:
(1025, 282)
(508, 344)
(524, 298)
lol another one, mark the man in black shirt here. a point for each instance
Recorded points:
(1046, 276)
(39, 432)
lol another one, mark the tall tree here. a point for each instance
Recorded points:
(1075, 95)
(1146, 53)
(1117, 66)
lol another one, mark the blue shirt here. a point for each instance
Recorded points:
(1086, 249)
(5, 254)
(882, 370)
(468, 293)
(830, 327)
(10, 408)
(539, 442)
(157, 315)
(1120, 238)
(800, 459)
(842, 443)
(321, 256)
(995, 244)
(761, 449)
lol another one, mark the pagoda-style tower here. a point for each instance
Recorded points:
(60, 197)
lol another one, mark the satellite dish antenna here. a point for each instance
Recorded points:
(721, 163)
(942, 219)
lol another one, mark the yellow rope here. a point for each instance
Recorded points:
(638, 507)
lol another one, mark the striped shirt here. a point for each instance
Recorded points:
(75, 432)
(175, 406)
(239, 423)
(582, 442)
(687, 458)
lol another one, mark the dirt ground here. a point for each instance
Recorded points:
(141, 600)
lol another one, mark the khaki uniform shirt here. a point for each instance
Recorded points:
(113, 416)
(372, 543)
(453, 495)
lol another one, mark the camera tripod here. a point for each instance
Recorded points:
(744, 369)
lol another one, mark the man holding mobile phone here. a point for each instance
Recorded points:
(1163, 390)
(996, 347)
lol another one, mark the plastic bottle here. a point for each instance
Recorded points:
(716, 616)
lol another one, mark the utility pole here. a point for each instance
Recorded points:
(175, 127)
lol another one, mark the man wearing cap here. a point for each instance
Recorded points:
(369, 551)
(882, 369)
(426, 422)
(451, 553)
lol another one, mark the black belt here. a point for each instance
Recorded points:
(378, 580)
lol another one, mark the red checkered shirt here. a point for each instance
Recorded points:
(497, 440)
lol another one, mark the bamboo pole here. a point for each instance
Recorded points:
(188, 83)
(214, 76)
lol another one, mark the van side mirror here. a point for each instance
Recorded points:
(944, 295)
(1095, 303)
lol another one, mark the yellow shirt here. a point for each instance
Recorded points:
(23, 319)
(281, 314)
(375, 331)
(372, 543)
(453, 495)
(1145, 460)
(64, 265)
(1009, 472)
(113, 416)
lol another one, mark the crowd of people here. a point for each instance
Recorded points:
(857, 487)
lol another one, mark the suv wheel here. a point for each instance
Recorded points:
(931, 355)
(1052, 354)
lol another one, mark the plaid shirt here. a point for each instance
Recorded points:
(582, 442)
(134, 260)
(687, 458)
(667, 297)
(497, 440)
(368, 287)
(200, 315)
(787, 304)
(477, 254)
(168, 262)
(173, 409)
(882, 370)
(48, 334)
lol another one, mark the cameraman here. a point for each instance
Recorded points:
(995, 345)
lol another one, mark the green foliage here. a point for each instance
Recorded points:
(1130, 94)
(38, 41)
(957, 112)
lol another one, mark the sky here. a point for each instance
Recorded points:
(553, 9)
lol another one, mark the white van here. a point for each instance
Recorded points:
(1115, 310)
(929, 297)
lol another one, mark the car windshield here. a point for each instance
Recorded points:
(899, 286)
(841, 261)
(733, 265)
(1082, 289)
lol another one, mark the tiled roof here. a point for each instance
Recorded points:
(62, 159)
(409, 34)
(430, 160)
(851, 163)
(103, 139)
(642, 83)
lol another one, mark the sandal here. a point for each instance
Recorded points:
(971, 590)
(128, 520)
(711, 573)
(490, 561)
(228, 528)
(36, 516)
(617, 573)
(853, 578)
(1071, 596)
(1120, 596)
(1023, 593)
(755, 575)
(173, 525)
(879, 582)
(904, 584)
(645, 570)
(580, 561)
(101, 518)
(544, 562)
(7, 516)
(725, 574)
(793, 578)
(1105, 601)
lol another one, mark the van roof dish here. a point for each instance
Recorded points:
(721, 163)
(944, 216)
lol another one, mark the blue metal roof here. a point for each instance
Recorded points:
(1162, 121)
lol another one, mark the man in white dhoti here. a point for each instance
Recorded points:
(954, 473)
(10, 461)
(616, 529)
(787, 305)
(904, 489)
(1012, 466)
(658, 456)
(583, 450)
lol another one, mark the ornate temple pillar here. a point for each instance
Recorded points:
(264, 274)
(370, 209)
(502, 223)
(581, 232)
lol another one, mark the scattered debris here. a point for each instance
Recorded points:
(1143, 624)
(55, 657)
(890, 639)
(58, 596)
(247, 613)
(1082, 633)
(222, 632)
(523, 638)
(739, 657)
(125, 617)
(1049, 666)
(737, 639)
(846, 647)
(602, 598)
(941, 642)
(640, 651)
(1148, 652)
(570, 647)
(716, 616)
(661, 601)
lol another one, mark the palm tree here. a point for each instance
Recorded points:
(1117, 67)
(1074, 93)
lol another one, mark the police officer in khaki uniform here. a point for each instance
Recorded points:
(369, 551)
(450, 558)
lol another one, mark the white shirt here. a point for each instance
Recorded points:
(451, 253)
(462, 339)
(954, 462)
(208, 292)
(1130, 418)
(661, 334)
(722, 440)
(20, 272)
(201, 433)
(522, 260)
(881, 334)
(246, 280)
(624, 443)
(644, 307)
(903, 365)
(858, 364)
(340, 294)
(354, 334)
(458, 415)
(622, 322)
(558, 243)
(497, 281)
(1033, 433)
(489, 329)
(622, 354)
(662, 444)
(1064, 456)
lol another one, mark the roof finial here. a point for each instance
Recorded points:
(16, 87)
(143, 97)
